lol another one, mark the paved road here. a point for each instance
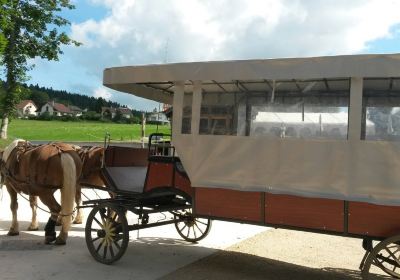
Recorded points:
(154, 254)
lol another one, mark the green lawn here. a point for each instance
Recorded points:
(77, 131)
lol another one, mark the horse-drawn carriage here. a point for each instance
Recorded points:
(308, 144)
(144, 182)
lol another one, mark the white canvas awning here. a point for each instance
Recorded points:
(155, 82)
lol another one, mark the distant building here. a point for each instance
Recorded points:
(75, 110)
(26, 108)
(110, 112)
(56, 109)
(159, 117)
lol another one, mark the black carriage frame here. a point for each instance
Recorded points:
(112, 220)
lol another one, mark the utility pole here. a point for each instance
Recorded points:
(143, 128)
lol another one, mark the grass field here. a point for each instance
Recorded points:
(77, 131)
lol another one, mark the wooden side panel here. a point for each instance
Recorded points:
(374, 220)
(159, 175)
(311, 213)
(183, 183)
(229, 204)
(125, 156)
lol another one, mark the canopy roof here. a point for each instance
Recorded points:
(155, 82)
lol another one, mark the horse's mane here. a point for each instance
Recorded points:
(8, 150)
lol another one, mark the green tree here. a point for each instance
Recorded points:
(30, 28)
(39, 97)
(100, 102)
(2, 24)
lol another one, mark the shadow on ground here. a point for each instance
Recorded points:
(234, 265)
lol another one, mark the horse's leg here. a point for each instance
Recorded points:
(50, 229)
(14, 229)
(78, 201)
(68, 191)
(34, 223)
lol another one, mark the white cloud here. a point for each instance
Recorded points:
(102, 92)
(137, 31)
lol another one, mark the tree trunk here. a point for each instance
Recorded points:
(4, 127)
(10, 61)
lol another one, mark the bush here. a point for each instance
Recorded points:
(69, 118)
(91, 116)
(45, 117)
(33, 117)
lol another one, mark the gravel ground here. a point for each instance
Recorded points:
(281, 254)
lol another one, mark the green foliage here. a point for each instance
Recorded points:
(40, 98)
(2, 43)
(91, 116)
(3, 23)
(31, 30)
(45, 117)
(118, 116)
(69, 118)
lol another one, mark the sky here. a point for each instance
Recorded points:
(137, 32)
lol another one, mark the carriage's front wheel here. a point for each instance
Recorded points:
(106, 233)
(192, 229)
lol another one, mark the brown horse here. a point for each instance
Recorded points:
(40, 171)
(91, 158)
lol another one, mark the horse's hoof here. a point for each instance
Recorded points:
(49, 239)
(13, 233)
(60, 241)
(30, 228)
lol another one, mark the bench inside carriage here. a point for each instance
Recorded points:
(137, 171)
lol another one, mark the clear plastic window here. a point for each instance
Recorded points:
(381, 109)
(187, 113)
(220, 113)
(281, 109)
(308, 109)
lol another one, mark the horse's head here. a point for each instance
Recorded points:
(92, 159)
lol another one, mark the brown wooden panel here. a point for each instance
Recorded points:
(237, 205)
(183, 183)
(374, 220)
(159, 175)
(126, 156)
(311, 213)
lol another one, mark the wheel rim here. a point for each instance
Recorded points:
(386, 256)
(192, 229)
(106, 235)
(388, 259)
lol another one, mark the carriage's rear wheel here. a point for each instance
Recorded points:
(386, 256)
(106, 233)
(192, 229)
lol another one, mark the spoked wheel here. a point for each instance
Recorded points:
(386, 256)
(192, 229)
(106, 233)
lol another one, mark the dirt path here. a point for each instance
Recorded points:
(281, 254)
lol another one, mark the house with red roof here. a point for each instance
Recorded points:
(56, 109)
(110, 112)
(26, 108)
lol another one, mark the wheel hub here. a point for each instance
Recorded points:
(101, 233)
